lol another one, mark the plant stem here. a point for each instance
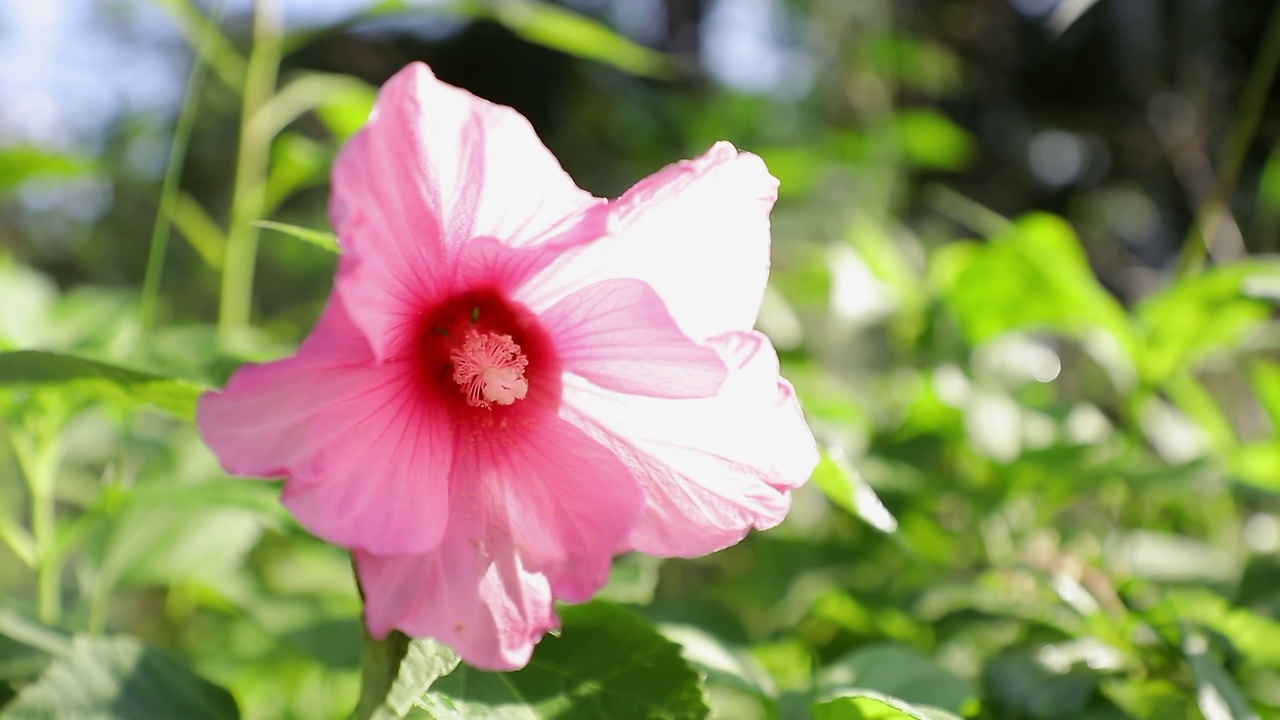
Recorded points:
(169, 189)
(39, 455)
(249, 193)
(1215, 208)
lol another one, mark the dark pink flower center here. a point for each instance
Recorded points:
(490, 369)
(483, 353)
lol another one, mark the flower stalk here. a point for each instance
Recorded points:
(252, 161)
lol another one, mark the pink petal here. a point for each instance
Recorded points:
(568, 501)
(711, 468)
(489, 608)
(366, 460)
(434, 168)
(619, 335)
(697, 232)
(539, 512)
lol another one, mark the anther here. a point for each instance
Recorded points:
(489, 368)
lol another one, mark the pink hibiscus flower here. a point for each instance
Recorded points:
(514, 381)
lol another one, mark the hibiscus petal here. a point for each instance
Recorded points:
(568, 500)
(697, 232)
(713, 468)
(367, 459)
(488, 607)
(619, 335)
(539, 512)
(434, 168)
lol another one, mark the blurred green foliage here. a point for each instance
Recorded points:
(1051, 475)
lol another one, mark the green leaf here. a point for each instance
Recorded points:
(120, 679)
(32, 634)
(150, 544)
(1018, 681)
(1034, 276)
(902, 672)
(98, 379)
(1217, 694)
(200, 229)
(632, 579)
(928, 139)
(397, 671)
(574, 34)
(19, 164)
(607, 662)
(324, 240)
(736, 684)
(1266, 383)
(1199, 316)
(1254, 635)
(297, 162)
(27, 299)
(844, 486)
(345, 107)
(874, 706)
(1257, 464)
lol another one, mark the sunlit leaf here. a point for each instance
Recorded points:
(575, 34)
(120, 679)
(98, 379)
(928, 139)
(867, 705)
(736, 685)
(345, 108)
(323, 240)
(901, 672)
(397, 671)
(1200, 315)
(1254, 635)
(1257, 464)
(19, 164)
(1035, 276)
(845, 487)
(607, 662)
(1217, 693)
(297, 162)
(1266, 383)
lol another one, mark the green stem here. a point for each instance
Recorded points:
(39, 458)
(169, 189)
(1214, 209)
(967, 212)
(248, 196)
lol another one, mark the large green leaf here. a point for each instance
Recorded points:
(1023, 686)
(397, 672)
(607, 662)
(99, 379)
(1035, 276)
(1201, 315)
(119, 679)
(902, 672)
(874, 706)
